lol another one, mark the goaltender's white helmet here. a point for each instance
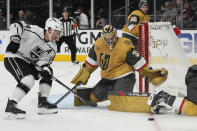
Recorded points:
(54, 24)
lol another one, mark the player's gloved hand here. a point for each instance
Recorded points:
(47, 72)
(160, 109)
(82, 76)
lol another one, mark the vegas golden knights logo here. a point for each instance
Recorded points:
(104, 61)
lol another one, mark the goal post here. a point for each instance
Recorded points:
(161, 48)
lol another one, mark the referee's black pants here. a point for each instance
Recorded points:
(70, 41)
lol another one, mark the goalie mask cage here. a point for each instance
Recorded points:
(161, 48)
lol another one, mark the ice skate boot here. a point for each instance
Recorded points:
(75, 62)
(12, 111)
(44, 107)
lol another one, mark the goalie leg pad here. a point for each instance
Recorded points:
(83, 93)
(93, 98)
(189, 108)
(129, 103)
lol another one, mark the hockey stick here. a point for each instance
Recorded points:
(90, 103)
(60, 99)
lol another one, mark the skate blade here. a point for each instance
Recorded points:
(43, 111)
(11, 116)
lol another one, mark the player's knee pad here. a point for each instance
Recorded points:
(28, 81)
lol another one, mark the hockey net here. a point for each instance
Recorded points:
(161, 47)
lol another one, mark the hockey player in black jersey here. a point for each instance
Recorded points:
(31, 44)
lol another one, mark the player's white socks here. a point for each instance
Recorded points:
(44, 89)
(17, 94)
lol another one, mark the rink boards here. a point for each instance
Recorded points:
(84, 43)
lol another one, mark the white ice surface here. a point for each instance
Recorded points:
(70, 118)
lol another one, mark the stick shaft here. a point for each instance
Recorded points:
(65, 95)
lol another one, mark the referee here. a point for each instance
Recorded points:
(70, 29)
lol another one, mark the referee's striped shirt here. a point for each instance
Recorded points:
(69, 26)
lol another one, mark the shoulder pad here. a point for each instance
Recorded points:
(127, 42)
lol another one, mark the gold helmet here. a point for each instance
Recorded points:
(109, 35)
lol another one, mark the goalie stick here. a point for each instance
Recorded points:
(89, 103)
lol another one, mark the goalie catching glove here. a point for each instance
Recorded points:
(83, 74)
(156, 77)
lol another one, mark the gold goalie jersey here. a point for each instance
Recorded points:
(116, 63)
(134, 19)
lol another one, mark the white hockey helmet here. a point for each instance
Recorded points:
(54, 24)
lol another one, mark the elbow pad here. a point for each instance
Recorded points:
(12, 47)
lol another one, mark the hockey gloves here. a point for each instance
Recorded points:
(156, 76)
(82, 76)
(47, 72)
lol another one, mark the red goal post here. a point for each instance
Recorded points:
(161, 48)
(143, 51)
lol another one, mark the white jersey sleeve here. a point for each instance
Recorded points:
(16, 30)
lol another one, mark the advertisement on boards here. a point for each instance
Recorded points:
(87, 38)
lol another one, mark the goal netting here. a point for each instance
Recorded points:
(161, 47)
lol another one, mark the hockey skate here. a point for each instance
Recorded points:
(44, 107)
(13, 112)
(75, 62)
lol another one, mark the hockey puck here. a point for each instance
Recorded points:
(151, 119)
